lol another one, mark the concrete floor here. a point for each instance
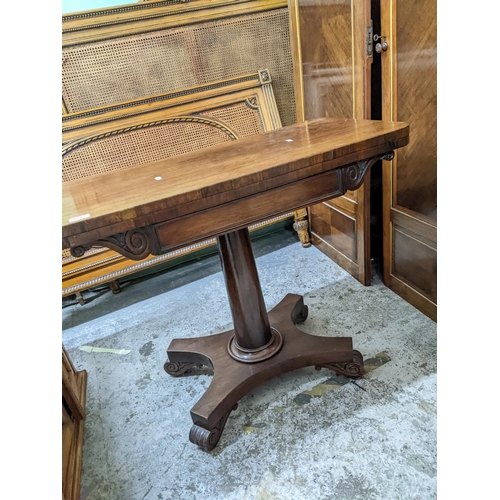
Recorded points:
(306, 435)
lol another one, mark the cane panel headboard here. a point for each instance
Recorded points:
(145, 130)
(128, 52)
(124, 71)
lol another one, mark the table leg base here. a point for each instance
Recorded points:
(233, 379)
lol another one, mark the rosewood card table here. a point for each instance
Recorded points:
(218, 192)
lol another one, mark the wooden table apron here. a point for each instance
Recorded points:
(218, 192)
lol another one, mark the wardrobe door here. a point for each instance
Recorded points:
(409, 94)
(333, 68)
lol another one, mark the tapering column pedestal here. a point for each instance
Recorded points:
(260, 347)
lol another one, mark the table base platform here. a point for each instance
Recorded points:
(290, 349)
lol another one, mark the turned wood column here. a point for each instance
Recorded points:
(254, 339)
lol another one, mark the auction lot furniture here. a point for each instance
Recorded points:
(218, 192)
(153, 128)
(124, 60)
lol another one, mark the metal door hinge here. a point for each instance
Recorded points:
(369, 40)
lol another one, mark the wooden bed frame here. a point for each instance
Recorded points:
(153, 128)
(136, 64)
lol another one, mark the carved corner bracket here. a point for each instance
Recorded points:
(252, 102)
(135, 244)
(352, 175)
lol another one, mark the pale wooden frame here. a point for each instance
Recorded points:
(123, 20)
(256, 86)
(101, 266)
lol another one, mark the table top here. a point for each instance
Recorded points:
(212, 176)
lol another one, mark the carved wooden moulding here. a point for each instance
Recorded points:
(354, 174)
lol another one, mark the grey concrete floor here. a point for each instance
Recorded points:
(305, 435)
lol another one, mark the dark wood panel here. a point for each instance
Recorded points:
(241, 213)
(336, 229)
(334, 69)
(409, 181)
(415, 264)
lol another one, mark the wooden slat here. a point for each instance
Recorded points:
(104, 24)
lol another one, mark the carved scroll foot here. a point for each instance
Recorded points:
(351, 369)
(178, 369)
(299, 312)
(233, 379)
(301, 225)
(207, 439)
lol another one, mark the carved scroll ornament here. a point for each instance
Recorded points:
(208, 438)
(135, 244)
(352, 175)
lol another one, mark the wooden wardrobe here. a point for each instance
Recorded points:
(377, 59)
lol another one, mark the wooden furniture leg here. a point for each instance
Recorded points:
(80, 298)
(260, 347)
(115, 286)
(301, 225)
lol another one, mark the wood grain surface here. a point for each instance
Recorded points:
(267, 164)
(409, 76)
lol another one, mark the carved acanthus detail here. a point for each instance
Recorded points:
(135, 244)
(301, 225)
(351, 369)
